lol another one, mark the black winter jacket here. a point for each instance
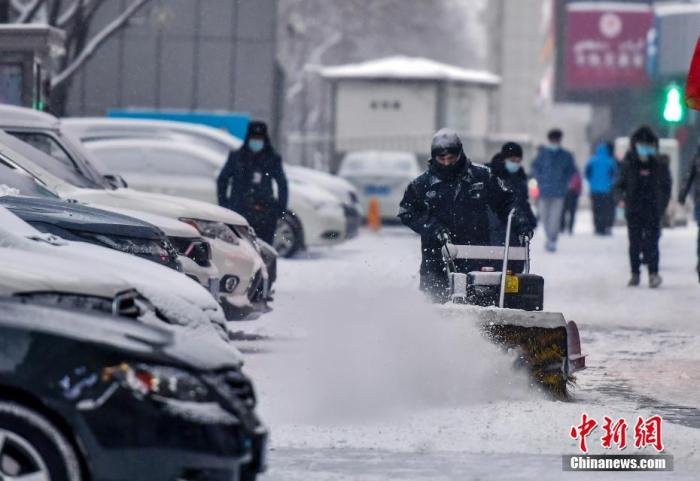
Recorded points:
(517, 183)
(457, 200)
(245, 182)
(642, 205)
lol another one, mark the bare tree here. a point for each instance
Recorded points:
(312, 33)
(75, 17)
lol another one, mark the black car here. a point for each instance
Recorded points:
(86, 397)
(77, 222)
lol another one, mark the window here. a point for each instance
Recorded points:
(47, 145)
(16, 178)
(66, 170)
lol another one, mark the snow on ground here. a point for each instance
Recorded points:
(359, 379)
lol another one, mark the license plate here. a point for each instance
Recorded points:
(512, 284)
(377, 190)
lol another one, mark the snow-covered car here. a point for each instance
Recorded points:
(90, 396)
(78, 222)
(315, 216)
(49, 270)
(383, 175)
(69, 171)
(343, 190)
(98, 128)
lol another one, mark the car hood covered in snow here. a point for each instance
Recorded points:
(108, 331)
(44, 263)
(76, 217)
(160, 204)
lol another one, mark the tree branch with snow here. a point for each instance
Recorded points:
(96, 42)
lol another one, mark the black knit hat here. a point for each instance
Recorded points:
(645, 135)
(511, 149)
(257, 128)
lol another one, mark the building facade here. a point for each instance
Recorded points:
(190, 55)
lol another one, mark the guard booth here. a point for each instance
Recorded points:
(26, 54)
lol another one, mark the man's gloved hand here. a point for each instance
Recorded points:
(449, 251)
(443, 235)
(522, 227)
(525, 237)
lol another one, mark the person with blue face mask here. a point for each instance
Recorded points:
(553, 168)
(507, 166)
(245, 184)
(644, 188)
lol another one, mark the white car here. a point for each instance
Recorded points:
(302, 226)
(49, 270)
(180, 168)
(383, 175)
(70, 173)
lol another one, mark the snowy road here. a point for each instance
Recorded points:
(361, 380)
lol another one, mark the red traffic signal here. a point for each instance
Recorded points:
(692, 89)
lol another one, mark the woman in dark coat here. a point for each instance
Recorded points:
(507, 166)
(245, 184)
(644, 185)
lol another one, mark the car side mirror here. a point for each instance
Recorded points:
(116, 180)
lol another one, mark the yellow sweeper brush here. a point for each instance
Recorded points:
(508, 305)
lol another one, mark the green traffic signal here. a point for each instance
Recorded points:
(673, 106)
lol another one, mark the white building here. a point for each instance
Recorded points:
(397, 103)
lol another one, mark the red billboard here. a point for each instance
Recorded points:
(606, 45)
(692, 88)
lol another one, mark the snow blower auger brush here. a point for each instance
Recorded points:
(508, 306)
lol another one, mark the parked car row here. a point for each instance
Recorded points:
(116, 359)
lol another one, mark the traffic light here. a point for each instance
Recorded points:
(673, 105)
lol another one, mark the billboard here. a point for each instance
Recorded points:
(606, 45)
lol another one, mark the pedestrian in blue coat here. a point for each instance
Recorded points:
(553, 169)
(601, 172)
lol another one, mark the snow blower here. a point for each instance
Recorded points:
(508, 304)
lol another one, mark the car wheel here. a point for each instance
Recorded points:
(31, 448)
(288, 236)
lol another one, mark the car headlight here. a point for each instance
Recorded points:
(247, 233)
(138, 247)
(162, 382)
(126, 304)
(212, 230)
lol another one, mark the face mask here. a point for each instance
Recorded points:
(645, 151)
(256, 145)
(512, 167)
(553, 147)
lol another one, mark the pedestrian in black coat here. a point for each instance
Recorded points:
(449, 204)
(644, 185)
(245, 182)
(507, 166)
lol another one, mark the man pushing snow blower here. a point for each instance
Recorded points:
(448, 206)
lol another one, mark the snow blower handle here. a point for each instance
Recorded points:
(504, 269)
(447, 254)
